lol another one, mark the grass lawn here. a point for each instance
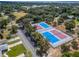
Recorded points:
(15, 51)
(68, 54)
(14, 41)
(28, 54)
(77, 22)
(3, 18)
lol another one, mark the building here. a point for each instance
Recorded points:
(3, 47)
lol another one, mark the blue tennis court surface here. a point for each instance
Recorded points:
(50, 37)
(44, 25)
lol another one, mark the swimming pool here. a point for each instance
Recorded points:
(50, 37)
(44, 25)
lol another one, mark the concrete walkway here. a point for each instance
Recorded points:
(5, 55)
(13, 39)
(21, 55)
(12, 45)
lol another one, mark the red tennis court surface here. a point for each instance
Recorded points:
(59, 34)
(38, 27)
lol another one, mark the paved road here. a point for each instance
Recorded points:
(26, 43)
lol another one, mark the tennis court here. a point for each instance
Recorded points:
(44, 25)
(52, 35)
(41, 25)
(59, 34)
(38, 27)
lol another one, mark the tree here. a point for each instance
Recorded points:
(37, 19)
(60, 20)
(7, 8)
(67, 54)
(64, 16)
(75, 12)
(75, 54)
(38, 52)
(42, 44)
(78, 34)
(70, 25)
(29, 28)
(3, 23)
(65, 48)
(14, 29)
(74, 44)
(1, 37)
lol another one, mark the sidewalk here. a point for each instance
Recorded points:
(13, 39)
(12, 45)
(5, 55)
(21, 55)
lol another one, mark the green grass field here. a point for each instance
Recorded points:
(15, 51)
(77, 22)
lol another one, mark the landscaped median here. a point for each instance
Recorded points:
(17, 50)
